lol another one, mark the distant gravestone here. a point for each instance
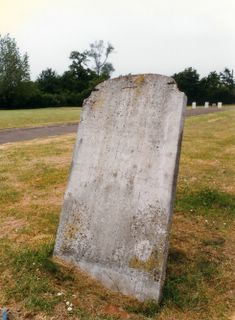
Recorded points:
(206, 104)
(118, 205)
(219, 105)
(194, 105)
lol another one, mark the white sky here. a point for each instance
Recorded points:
(148, 35)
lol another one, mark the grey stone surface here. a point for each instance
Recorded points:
(118, 203)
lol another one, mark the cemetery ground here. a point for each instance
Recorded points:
(26, 124)
(200, 281)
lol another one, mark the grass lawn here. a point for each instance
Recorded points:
(200, 281)
(38, 117)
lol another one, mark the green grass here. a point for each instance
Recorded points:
(30, 279)
(199, 281)
(207, 202)
(38, 117)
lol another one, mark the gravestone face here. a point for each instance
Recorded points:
(194, 105)
(118, 204)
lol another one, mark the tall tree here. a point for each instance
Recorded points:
(14, 70)
(99, 53)
(79, 65)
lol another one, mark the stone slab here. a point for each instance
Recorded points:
(118, 203)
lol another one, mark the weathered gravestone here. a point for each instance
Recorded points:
(118, 204)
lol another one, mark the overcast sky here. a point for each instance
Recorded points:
(149, 36)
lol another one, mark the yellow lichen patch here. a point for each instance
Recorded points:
(150, 265)
(139, 80)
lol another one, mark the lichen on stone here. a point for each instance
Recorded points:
(139, 80)
(149, 266)
(71, 231)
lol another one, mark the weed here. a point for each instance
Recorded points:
(185, 285)
(184, 289)
(208, 269)
(32, 270)
(206, 200)
(148, 309)
(214, 242)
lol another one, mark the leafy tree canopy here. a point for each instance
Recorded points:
(213, 88)
(14, 69)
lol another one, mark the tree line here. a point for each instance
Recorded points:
(213, 88)
(86, 70)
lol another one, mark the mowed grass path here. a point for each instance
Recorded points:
(200, 280)
(38, 117)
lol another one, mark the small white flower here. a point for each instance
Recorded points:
(70, 309)
(206, 221)
(59, 294)
(67, 303)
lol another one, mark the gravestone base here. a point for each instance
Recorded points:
(132, 283)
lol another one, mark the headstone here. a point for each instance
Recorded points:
(206, 104)
(194, 105)
(219, 105)
(118, 205)
(213, 104)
